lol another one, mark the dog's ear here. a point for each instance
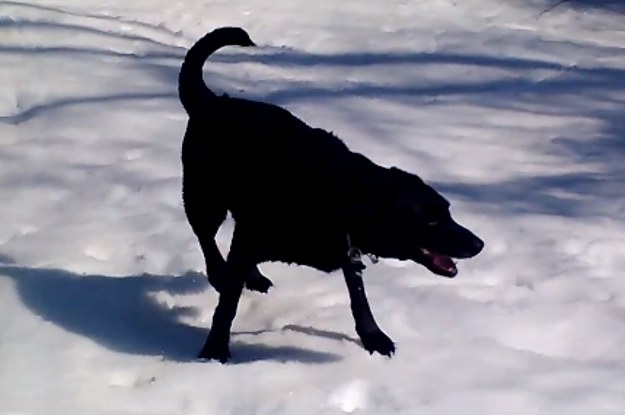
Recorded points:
(362, 211)
(407, 207)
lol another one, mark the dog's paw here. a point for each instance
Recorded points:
(377, 341)
(215, 350)
(256, 281)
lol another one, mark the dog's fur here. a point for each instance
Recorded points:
(297, 195)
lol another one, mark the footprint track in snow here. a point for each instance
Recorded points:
(128, 379)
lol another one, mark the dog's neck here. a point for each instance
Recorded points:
(355, 255)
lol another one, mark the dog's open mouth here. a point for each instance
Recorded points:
(439, 264)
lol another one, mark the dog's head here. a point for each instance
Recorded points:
(412, 221)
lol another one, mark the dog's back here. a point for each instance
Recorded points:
(273, 171)
(230, 133)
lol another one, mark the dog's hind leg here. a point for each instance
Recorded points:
(238, 266)
(205, 217)
(372, 337)
(256, 281)
(205, 220)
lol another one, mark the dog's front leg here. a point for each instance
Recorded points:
(372, 337)
(238, 267)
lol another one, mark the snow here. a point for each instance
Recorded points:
(515, 116)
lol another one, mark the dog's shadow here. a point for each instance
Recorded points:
(120, 314)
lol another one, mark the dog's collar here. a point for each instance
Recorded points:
(354, 254)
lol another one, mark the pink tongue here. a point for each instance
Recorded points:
(443, 262)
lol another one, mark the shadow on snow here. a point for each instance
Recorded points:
(120, 314)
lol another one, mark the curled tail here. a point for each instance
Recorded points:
(192, 91)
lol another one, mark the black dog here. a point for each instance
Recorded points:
(297, 195)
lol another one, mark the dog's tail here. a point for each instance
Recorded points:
(192, 91)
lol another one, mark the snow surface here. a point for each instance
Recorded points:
(516, 117)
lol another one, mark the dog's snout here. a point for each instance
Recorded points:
(478, 245)
(472, 247)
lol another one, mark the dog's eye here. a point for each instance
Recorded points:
(432, 223)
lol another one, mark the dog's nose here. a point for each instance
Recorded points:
(478, 245)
